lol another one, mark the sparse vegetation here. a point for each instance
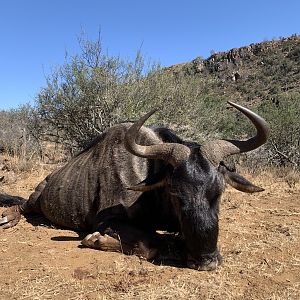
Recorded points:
(93, 91)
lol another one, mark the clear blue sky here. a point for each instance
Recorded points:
(35, 34)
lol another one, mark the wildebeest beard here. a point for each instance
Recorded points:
(195, 189)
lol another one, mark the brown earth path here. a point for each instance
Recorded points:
(259, 240)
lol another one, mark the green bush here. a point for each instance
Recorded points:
(283, 114)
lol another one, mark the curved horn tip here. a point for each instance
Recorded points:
(151, 112)
(234, 104)
(253, 117)
(145, 117)
(139, 123)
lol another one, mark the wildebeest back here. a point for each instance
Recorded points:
(96, 179)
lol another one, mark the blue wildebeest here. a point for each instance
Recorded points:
(133, 180)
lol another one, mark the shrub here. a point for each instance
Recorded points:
(283, 116)
(15, 136)
(93, 91)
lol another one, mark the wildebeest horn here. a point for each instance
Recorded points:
(169, 152)
(216, 150)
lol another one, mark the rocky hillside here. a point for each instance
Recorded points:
(263, 76)
(258, 71)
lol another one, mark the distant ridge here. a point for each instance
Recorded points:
(250, 73)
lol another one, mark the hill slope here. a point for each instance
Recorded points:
(258, 71)
(265, 77)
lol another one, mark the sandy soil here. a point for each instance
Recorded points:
(259, 240)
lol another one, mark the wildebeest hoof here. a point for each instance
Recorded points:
(92, 240)
(208, 264)
(107, 243)
(103, 242)
(10, 217)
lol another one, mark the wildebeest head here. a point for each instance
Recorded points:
(194, 181)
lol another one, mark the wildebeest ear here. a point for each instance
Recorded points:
(239, 182)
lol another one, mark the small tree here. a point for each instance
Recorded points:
(15, 136)
(86, 95)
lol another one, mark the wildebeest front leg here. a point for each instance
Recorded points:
(12, 215)
(124, 238)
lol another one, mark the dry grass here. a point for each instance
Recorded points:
(259, 240)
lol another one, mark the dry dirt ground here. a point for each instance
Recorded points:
(259, 239)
